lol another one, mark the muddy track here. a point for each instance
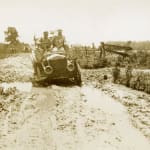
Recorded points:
(62, 117)
(70, 118)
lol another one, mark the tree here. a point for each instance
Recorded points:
(11, 35)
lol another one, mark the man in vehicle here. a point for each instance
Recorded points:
(45, 41)
(59, 41)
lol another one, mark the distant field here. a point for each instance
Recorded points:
(6, 52)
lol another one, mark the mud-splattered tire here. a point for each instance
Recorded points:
(77, 78)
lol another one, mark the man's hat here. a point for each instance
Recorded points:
(45, 32)
(59, 30)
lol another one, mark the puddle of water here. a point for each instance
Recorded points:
(21, 86)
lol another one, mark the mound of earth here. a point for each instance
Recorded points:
(16, 68)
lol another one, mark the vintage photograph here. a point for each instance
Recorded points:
(74, 75)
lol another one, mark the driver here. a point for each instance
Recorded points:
(59, 41)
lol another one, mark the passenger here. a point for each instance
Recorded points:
(45, 42)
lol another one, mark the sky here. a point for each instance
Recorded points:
(83, 21)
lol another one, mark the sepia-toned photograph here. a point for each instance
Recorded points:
(74, 75)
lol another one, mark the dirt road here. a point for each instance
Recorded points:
(63, 117)
(70, 118)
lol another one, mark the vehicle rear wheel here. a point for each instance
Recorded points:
(77, 77)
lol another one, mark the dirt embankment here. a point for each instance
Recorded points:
(69, 118)
(18, 68)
